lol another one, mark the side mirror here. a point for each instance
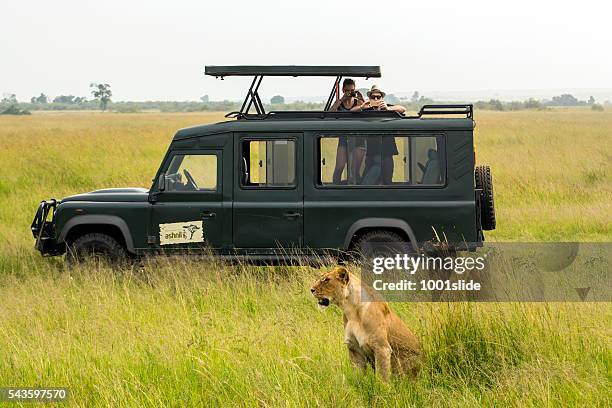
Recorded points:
(161, 182)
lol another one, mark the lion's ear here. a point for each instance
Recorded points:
(342, 274)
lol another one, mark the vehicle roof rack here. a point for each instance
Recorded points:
(457, 109)
(259, 71)
(315, 115)
(466, 110)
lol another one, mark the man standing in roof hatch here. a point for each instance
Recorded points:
(376, 101)
(380, 150)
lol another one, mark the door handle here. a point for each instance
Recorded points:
(208, 214)
(292, 215)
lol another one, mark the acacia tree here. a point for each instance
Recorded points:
(102, 93)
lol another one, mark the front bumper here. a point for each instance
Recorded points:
(44, 231)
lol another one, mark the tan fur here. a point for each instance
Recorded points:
(374, 335)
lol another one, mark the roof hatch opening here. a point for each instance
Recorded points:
(258, 72)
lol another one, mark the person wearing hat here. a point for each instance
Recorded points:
(379, 149)
(376, 101)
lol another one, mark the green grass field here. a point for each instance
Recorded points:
(180, 333)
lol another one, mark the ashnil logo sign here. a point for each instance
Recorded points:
(181, 232)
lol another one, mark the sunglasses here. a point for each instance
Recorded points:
(375, 97)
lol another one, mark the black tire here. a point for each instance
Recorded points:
(372, 244)
(97, 247)
(484, 181)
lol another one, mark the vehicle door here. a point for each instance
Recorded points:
(268, 191)
(187, 209)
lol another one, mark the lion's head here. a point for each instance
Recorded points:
(331, 286)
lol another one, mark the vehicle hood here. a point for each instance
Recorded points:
(112, 195)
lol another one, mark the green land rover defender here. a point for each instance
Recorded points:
(274, 186)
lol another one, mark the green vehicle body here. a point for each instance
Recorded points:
(278, 223)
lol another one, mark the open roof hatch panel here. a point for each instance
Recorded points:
(259, 71)
(293, 70)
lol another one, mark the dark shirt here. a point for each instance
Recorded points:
(342, 108)
(381, 145)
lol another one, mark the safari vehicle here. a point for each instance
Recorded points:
(261, 185)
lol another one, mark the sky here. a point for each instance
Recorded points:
(157, 50)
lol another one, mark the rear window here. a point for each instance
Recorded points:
(381, 160)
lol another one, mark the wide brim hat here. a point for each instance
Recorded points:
(375, 88)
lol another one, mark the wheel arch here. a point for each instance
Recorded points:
(110, 224)
(391, 224)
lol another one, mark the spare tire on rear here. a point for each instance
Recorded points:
(484, 182)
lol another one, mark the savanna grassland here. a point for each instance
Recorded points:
(178, 333)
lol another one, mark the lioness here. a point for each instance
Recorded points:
(374, 335)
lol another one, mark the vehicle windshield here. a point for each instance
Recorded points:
(192, 172)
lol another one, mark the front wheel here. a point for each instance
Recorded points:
(97, 248)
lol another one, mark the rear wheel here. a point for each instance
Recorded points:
(484, 181)
(98, 248)
(381, 243)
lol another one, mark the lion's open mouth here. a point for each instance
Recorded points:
(324, 302)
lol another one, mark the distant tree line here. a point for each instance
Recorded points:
(102, 94)
(556, 101)
(10, 106)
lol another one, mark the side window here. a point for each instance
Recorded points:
(401, 161)
(374, 160)
(341, 159)
(192, 172)
(428, 163)
(364, 160)
(386, 161)
(268, 163)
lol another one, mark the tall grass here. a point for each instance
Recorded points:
(177, 332)
(552, 172)
(216, 335)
